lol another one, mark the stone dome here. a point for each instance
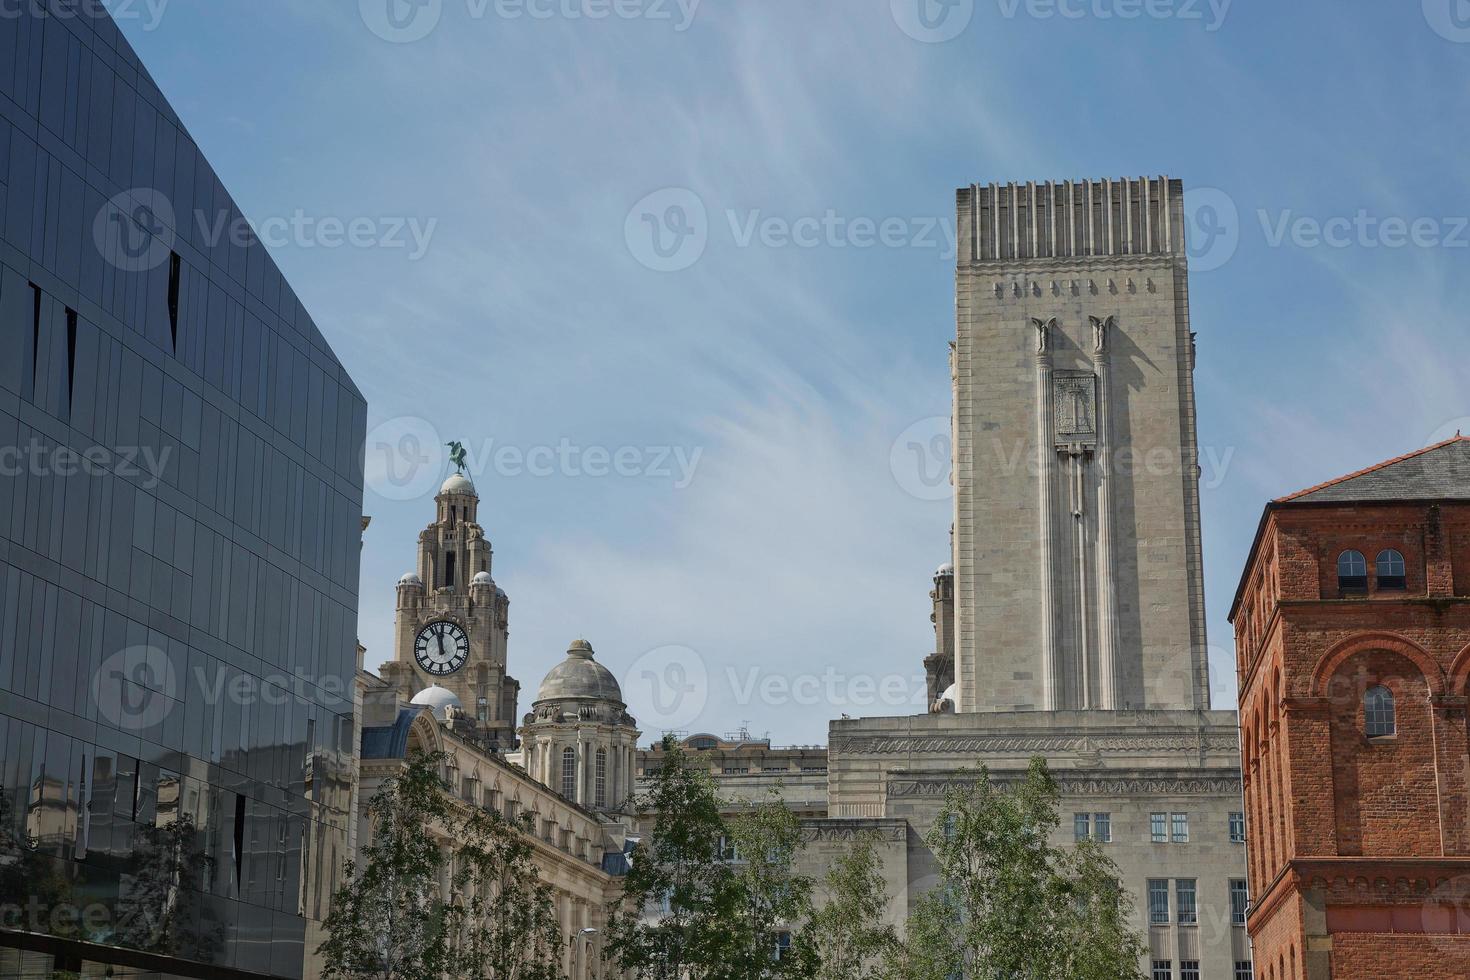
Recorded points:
(579, 676)
(411, 578)
(481, 578)
(438, 700)
(945, 569)
(458, 483)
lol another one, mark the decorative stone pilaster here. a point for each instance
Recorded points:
(1107, 596)
(1047, 460)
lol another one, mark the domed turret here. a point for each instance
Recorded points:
(580, 676)
(481, 578)
(411, 578)
(438, 700)
(458, 483)
(579, 738)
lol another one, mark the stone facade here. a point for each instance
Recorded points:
(1078, 579)
(1353, 649)
(570, 843)
(1075, 595)
(1123, 766)
(416, 703)
(748, 770)
(453, 586)
(579, 736)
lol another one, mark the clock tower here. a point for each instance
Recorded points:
(452, 620)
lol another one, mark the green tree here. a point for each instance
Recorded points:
(671, 921)
(501, 921)
(1011, 904)
(706, 899)
(393, 920)
(847, 935)
(774, 899)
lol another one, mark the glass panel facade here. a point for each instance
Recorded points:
(180, 517)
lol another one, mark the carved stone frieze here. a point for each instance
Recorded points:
(1142, 743)
(1088, 785)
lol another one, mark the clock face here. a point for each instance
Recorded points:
(441, 648)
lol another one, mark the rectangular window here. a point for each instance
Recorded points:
(1179, 828)
(1081, 826)
(601, 777)
(569, 774)
(1158, 901)
(1189, 970)
(783, 945)
(1158, 826)
(1184, 894)
(1102, 827)
(1243, 970)
(1240, 901)
(1163, 970)
(1237, 828)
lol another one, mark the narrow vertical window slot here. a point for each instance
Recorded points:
(71, 355)
(35, 330)
(174, 271)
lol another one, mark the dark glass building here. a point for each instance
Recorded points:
(180, 508)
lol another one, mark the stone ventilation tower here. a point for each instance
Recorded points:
(453, 621)
(579, 738)
(1078, 577)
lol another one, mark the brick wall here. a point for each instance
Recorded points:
(1317, 787)
(1421, 957)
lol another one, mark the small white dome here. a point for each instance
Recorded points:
(481, 578)
(945, 569)
(458, 483)
(438, 700)
(411, 578)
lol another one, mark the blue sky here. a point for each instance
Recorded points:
(760, 544)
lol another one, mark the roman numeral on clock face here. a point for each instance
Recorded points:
(441, 648)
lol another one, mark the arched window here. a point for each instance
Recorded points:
(1378, 713)
(601, 777)
(569, 774)
(1391, 572)
(1352, 571)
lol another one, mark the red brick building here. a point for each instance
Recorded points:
(1352, 627)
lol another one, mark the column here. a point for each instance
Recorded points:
(1046, 449)
(1107, 596)
(582, 794)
